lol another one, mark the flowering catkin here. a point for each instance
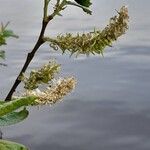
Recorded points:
(92, 42)
(43, 75)
(58, 89)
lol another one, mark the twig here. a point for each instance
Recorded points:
(30, 55)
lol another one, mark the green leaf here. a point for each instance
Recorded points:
(85, 9)
(11, 106)
(5, 33)
(2, 54)
(7, 145)
(2, 102)
(9, 33)
(2, 40)
(85, 3)
(14, 117)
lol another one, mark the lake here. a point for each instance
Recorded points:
(110, 107)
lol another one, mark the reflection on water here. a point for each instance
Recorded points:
(110, 108)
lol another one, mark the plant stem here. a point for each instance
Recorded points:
(27, 62)
(30, 55)
(46, 2)
(40, 41)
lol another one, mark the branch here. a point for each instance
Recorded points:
(32, 53)
(46, 19)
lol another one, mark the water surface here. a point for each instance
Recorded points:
(110, 108)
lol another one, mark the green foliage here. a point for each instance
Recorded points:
(2, 54)
(8, 116)
(7, 145)
(85, 3)
(13, 117)
(5, 33)
(81, 5)
(11, 106)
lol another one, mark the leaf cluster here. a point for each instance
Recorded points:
(85, 3)
(7, 145)
(2, 54)
(4, 35)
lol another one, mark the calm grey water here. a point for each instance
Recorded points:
(110, 108)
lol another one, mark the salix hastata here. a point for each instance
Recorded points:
(55, 89)
(53, 93)
(42, 75)
(93, 42)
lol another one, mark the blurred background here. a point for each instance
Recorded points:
(110, 107)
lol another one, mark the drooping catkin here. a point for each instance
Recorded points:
(92, 42)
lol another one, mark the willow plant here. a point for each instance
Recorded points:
(14, 108)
